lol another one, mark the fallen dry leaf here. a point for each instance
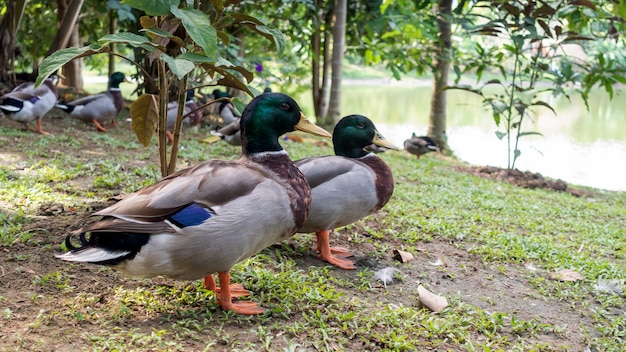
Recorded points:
(566, 275)
(430, 300)
(403, 256)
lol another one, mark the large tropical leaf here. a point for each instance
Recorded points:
(59, 58)
(199, 28)
(144, 113)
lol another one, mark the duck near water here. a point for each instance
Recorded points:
(420, 145)
(205, 219)
(27, 103)
(100, 107)
(347, 186)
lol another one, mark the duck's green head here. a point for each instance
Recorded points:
(267, 117)
(116, 79)
(355, 132)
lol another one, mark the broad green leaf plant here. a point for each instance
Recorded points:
(198, 49)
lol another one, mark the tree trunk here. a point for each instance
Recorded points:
(112, 30)
(321, 79)
(437, 123)
(8, 32)
(339, 43)
(67, 18)
(315, 64)
(67, 24)
(327, 57)
(73, 70)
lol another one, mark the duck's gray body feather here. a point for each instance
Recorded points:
(230, 190)
(36, 101)
(343, 190)
(101, 107)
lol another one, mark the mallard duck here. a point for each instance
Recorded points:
(204, 219)
(100, 107)
(420, 145)
(194, 116)
(27, 103)
(230, 132)
(346, 187)
(228, 112)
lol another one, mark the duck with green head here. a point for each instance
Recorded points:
(347, 186)
(205, 219)
(98, 108)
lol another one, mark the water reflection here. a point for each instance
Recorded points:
(580, 146)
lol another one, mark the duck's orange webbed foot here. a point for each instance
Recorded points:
(39, 130)
(98, 126)
(225, 299)
(236, 290)
(333, 255)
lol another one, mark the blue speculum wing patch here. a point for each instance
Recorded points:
(191, 215)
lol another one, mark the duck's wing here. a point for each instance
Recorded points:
(324, 169)
(193, 193)
(89, 99)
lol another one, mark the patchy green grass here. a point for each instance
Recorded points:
(498, 245)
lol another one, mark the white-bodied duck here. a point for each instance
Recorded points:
(98, 108)
(27, 103)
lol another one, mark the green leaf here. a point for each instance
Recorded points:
(59, 58)
(144, 113)
(500, 134)
(543, 103)
(180, 67)
(153, 7)
(196, 58)
(273, 35)
(158, 32)
(126, 37)
(199, 28)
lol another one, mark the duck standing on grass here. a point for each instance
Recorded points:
(420, 145)
(347, 186)
(100, 107)
(27, 103)
(207, 218)
(191, 109)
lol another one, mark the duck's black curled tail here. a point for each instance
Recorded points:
(104, 248)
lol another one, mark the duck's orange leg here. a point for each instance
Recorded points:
(170, 137)
(39, 130)
(98, 126)
(225, 300)
(332, 255)
(236, 290)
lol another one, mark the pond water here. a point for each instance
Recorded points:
(579, 146)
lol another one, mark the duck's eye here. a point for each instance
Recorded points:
(360, 125)
(284, 106)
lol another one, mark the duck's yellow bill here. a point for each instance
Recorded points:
(307, 126)
(381, 141)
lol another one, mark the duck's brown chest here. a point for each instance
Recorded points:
(384, 179)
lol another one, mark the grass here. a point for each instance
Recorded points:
(486, 230)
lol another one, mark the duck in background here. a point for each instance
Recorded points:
(205, 219)
(100, 107)
(347, 186)
(26, 103)
(420, 145)
(191, 111)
